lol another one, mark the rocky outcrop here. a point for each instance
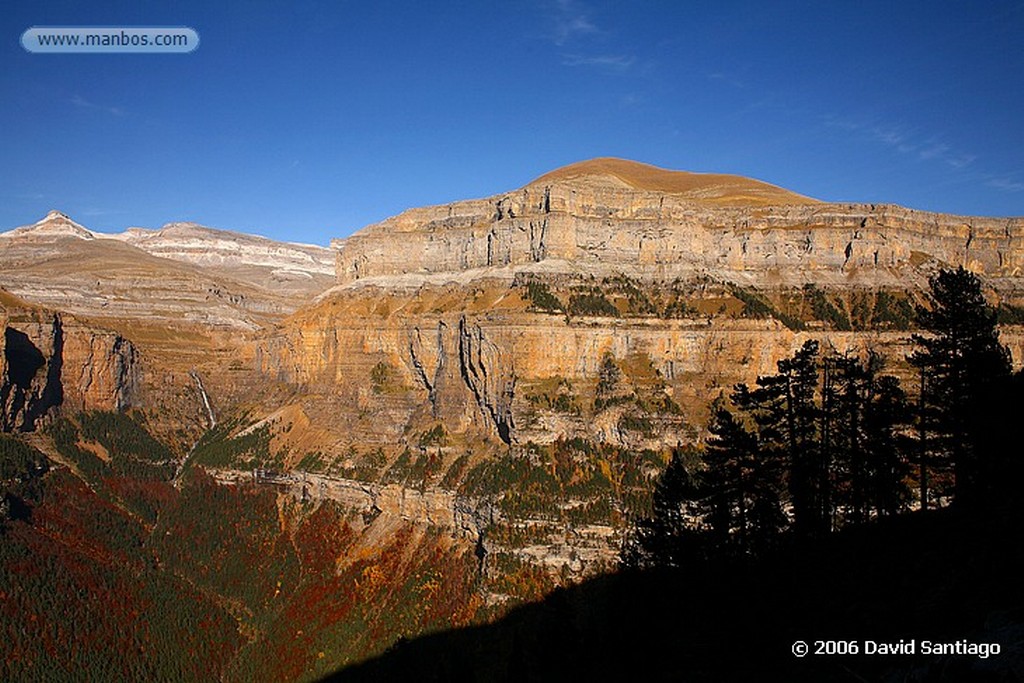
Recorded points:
(600, 224)
(31, 384)
(459, 366)
(434, 506)
(490, 376)
(53, 362)
(579, 549)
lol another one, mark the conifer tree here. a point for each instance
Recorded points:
(669, 537)
(885, 420)
(740, 488)
(960, 358)
(864, 416)
(786, 413)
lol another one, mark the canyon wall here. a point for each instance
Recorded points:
(477, 360)
(600, 228)
(51, 362)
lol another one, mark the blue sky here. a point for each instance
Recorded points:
(306, 120)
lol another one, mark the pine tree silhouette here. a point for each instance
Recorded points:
(960, 359)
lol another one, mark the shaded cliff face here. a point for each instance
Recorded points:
(52, 362)
(609, 216)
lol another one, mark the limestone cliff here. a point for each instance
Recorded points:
(611, 216)
(441, 299)
(542, 350)
(482, 362)
(50, 362)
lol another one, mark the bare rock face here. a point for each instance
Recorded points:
(52, 362)
(613, 216)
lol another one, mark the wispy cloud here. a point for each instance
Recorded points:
(609, 62)
(28, 196)
(80, 101)
(893, 137)
(95, 212)
(905, 141)
(571, 27)
(934, 151)
(962, 161)
(726, 78)
(1006, 184)
(631, 99)
(570, 19)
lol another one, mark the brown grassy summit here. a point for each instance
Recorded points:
(712, 188)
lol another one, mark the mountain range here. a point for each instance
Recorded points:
(492, 383)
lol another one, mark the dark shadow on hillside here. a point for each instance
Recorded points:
(942, 577)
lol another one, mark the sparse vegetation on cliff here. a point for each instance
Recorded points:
(560, 397)
(380, 376)
(892, 310)
(1010, 314)
(541, 298)
(635, 293)
(823, 308)
(603, 480)
(756, 306)
(591, 301)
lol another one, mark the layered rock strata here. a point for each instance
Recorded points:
(586, 218)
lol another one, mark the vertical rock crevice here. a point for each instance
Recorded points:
(488, 376)
(538, 230)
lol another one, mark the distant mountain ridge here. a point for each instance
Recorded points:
(182, 270)
(194, 243)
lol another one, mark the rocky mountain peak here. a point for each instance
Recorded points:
(54, 224)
